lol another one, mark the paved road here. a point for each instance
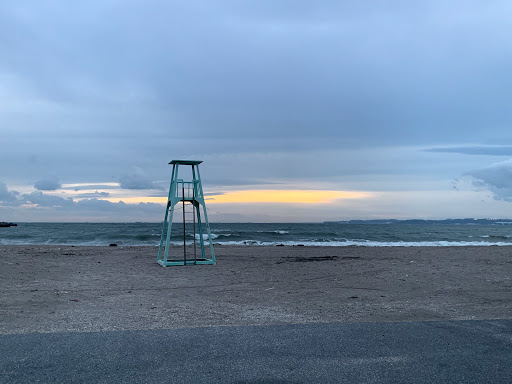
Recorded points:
(409, 352)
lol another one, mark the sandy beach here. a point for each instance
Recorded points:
(79, 289)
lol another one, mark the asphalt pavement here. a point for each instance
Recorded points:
(401, 352)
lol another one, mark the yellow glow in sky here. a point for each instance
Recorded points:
(260, 196)
(284, 196)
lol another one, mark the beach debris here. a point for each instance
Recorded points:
(112, 245)
(301, 259)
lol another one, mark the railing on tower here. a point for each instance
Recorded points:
(187, 190)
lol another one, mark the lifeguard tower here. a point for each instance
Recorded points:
(188, 193)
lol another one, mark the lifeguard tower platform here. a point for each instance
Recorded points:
(188, 193)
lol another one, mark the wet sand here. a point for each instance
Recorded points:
(77, 289)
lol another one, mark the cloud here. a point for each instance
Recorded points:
(497, 178)
(404, 70)
(89, 206)
(5, 195)
(136, 180)
(214, 193)
(81, 186)
(44, 200)
(105, 205)
(55, 208)
(9, 198)
(50, 183)
(93, 195)
(476, 150)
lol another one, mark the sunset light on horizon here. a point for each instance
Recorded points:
(258, 196)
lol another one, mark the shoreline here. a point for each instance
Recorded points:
(368, 244)
(50, 288)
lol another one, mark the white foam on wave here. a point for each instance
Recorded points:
(368, 243)
(205, 236)
(278, 231)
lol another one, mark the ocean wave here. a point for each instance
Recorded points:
(223, 236)
(144, 237)
(314, 234)
(278, 231)
(250, 234)
(205, 236)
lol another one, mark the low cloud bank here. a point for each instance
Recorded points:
(497, 178)
(38, 199)
(7, 197)
(93, 195)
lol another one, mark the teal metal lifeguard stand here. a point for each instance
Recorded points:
(181, 191)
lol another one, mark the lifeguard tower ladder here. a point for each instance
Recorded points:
(185, 192)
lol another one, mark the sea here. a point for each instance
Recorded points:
(257, 234)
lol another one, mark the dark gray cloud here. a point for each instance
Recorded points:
(137, 179)
(89, 186)
(383, 74)
(50, 183)
(8, 198)
(478, 150)
(214, 193)
(239, 182)
(497, 178)
(45, 200)
(5, 195)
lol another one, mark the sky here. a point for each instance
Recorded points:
(301, 111)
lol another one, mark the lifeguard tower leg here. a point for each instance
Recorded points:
(164, 230)
(201, 239)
